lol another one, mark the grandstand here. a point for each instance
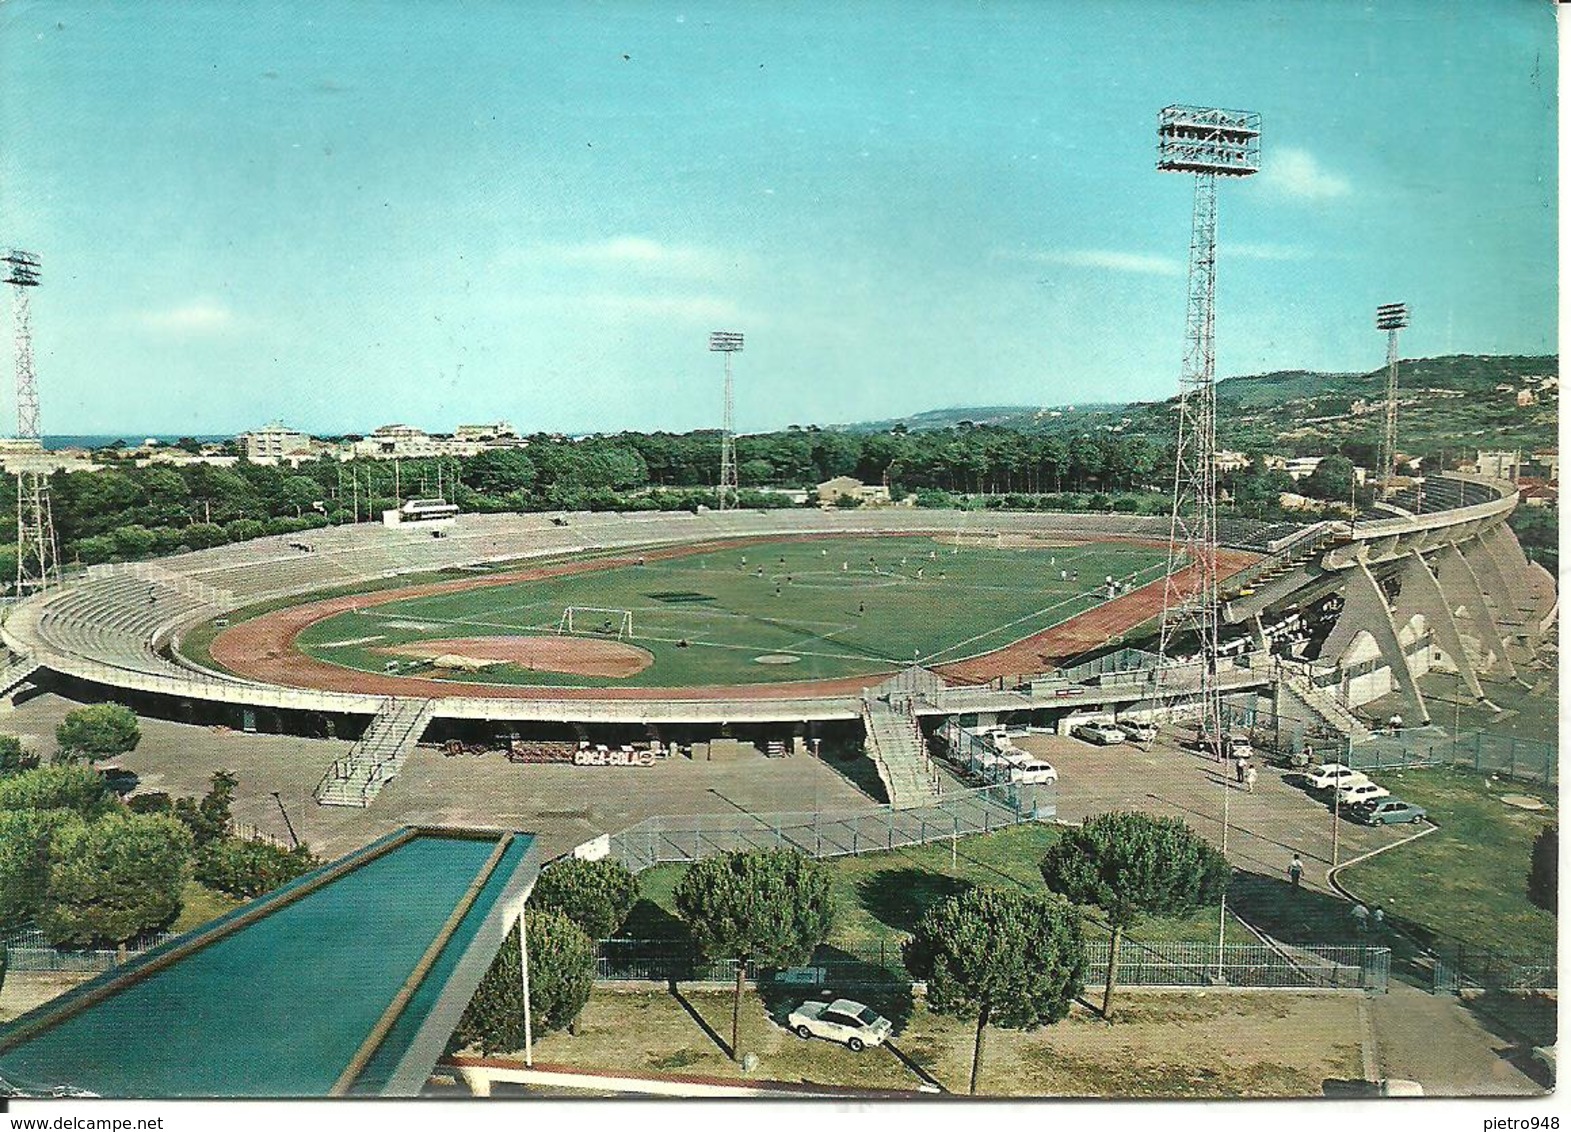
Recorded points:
(119, 628)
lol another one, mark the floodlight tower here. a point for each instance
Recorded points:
(1209, 143)
(727, 342)
(37, 556)
(1390, 317)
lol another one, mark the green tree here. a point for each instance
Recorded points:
(80, 789)
(115, 878)
(250, 868)
(1000, 956)
(561, 975)
(1332, 480)
(1132, 865)
(14, 758)
(595, 895)
(1543, 875)
(209, 819)
(770, 907)
(98, 731)
(24, 862)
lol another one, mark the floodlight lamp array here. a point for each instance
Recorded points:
(1391, 316)
(23, 268)
(1202, 139)
(726, 342)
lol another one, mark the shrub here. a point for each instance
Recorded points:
(250, 868)
(24, 862)
(13, 759)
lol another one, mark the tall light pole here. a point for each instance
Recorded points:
(1209, 143)
(727, 342)
(37, 552)
(1390, 317)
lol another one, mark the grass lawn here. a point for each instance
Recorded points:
(1163, 1045)
(833, 606)
(1468, 879)
(880, 896)
(199, 904)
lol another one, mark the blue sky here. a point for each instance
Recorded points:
(345, 214)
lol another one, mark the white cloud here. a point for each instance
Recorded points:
(1296, 173)
(200, 316)
(1103, 260)
(640, 253)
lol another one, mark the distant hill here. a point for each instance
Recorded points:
(1457, 401)
(1024, 417)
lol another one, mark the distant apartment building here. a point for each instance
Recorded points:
(1500, 465)
(274, 443)
(1225, 461)
(831, 491)
(498, 435)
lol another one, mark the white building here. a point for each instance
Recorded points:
(274, 443)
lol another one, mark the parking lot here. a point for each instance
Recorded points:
(1264, 828)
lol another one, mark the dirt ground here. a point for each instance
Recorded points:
(1169, 1045)
(24, 990)
(576, 656)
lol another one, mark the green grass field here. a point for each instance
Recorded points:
(880, 896)
(818, 608)
(1469, 878)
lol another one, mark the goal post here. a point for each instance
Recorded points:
(597, 620)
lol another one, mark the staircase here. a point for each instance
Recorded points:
(1325, 705)
(378, 756)
(16, 670)
(895, 743)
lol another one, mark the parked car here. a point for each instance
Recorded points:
(1357, 793)
(1137, 730)
(1326, 776)
(850, 1023)
(1101, 734)
(1388, 811)
(1029, 770)
(1233, 746)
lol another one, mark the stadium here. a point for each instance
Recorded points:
(775, 627)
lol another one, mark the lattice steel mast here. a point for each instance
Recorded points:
(37, 556)
(727, 342)
(1209, 143)
(1390, 317)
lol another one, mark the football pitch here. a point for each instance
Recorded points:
(808, 609)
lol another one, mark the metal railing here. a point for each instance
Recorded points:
(29, 950)
(958, 813)
(1141, 963)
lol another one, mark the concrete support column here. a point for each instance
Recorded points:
(476, 1079)
(1365, 608)
(1508, 615)
(1460, 585)
(1421, 593)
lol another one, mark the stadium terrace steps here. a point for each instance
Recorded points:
(378, 756)
(895, 743)
(17, 670)
(1324, 705)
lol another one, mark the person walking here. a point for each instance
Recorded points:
(1295, 870)
(1249, 779)
(1360, 916)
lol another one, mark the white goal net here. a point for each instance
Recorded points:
(592, 619)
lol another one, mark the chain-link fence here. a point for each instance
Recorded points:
(1527, 760)
(1458, 964)
(1163, 963)
(957, 813)
(29, 950)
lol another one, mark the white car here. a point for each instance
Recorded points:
(1102, 734)
(1137, 730)
(1329, 775)
(1354, 793)
(850, 1023)
(1028, 770)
